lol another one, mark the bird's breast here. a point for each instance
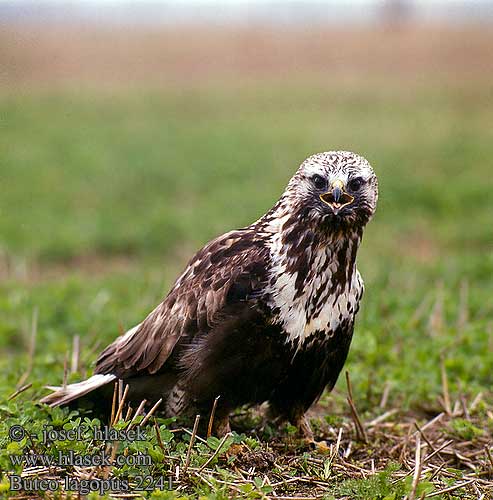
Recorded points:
(322, 306)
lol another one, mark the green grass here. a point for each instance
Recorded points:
(153, 175)
(144, 173)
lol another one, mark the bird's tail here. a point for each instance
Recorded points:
(65, 394)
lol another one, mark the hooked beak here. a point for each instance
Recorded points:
(337, 198)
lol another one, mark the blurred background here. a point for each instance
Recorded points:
(134, 132)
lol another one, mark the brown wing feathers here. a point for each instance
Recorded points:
(221, 272)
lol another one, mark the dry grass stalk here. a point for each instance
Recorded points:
(211, 418)
(138, 411)
(158, 437)
(360, 430)
(437, 471)
(451, 488)
(216, 452)
(120, 390)
(423, 435)
(128, 414)
(417, 468)
(190, 433)
(437, 321)
(490, 457)
(19, 391)
(32, 348)
(151, 411)
(191, 443)
(438, 450)
(381, 418)
(463, 402)
(74, 365)
(107, 470)
(113, 403)
(475, 402)
(463, 312)
(385, 395)
(338, 443)
(405, 445)
(120, 406)
(432, 422)
(445, 388)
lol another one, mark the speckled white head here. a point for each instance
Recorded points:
(338, 186)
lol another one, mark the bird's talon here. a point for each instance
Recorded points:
(319, 446)
(236, 450)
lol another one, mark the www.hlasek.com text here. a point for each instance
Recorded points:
(66, 458)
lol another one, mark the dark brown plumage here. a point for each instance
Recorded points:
(263, 313)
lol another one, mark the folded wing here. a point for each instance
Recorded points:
(229, 270)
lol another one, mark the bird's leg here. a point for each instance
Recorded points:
(221, 425)
(301, 422)
(296, 416)
(221, 428)
(303, 425)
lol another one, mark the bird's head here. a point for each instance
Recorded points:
(336, 189)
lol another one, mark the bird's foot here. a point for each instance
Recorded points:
(236, 450)
(221, 426)
(321, 447)
(304, 428)
(306, 433)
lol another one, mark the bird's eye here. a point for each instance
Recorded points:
(318, 181)
(355, 184)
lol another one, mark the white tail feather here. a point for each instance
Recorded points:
(63, 395)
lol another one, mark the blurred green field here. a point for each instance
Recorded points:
(143, 179)
(143, 174)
